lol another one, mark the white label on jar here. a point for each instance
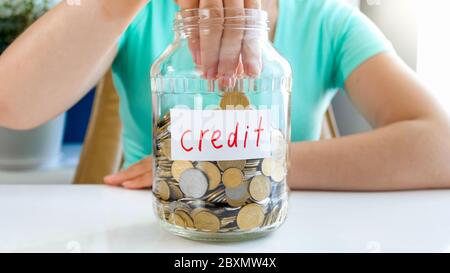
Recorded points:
(210, 135)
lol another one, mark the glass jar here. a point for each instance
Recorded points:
(220, 139)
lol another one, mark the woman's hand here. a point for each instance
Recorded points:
(220, 53)
(137, 176)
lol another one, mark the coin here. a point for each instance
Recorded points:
(193, 183)
(232, 178)
(216, 196)
(249, 217)
(279, 146)
(237, 193)
(237, 203)
(278, 173)
(175, 192)
(234, 98)
(266, 166)
(195, 211)
(237, 197)
(238, 164)
(225, 221)
(166, 148)
(206, 221)
(259, 188)
(253, 163)
(164, 120)
(212, 172)
(186, 217)
(163, 190)
(176, 219)
(179, 167)
(162, 173)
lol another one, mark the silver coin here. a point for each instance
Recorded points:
(193, 183)
(237, 193)
(279, 147)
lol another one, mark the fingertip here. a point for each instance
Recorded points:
(210, 73)
(133, 185)
(108, 179)
(226, 81)
(127, 184)
(252, 68)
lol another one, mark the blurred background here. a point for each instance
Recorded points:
(418, 30)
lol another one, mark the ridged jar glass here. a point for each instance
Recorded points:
(221, 127)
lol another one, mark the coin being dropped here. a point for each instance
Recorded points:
(176, 219)
(179, 167)
(249, 217)
(212, 172)
(206, 221)
(260, 188)
(232, 178)
(238, 164)
(193, 183)
(163, 190)
(235, 98)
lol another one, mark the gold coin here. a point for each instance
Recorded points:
(266, 166)
(232, 178)
(178, 167)
(163, 190)
(164, 119)
(234, 98)
(237, 203)
(206, 221)
(249, 217)
(163, 173)
(176, 219)
(195, 211)
(166, 148)
(175, 192)
(278, 173)
(186, 217)
(259, 188)
(212, 172)
(238, 164)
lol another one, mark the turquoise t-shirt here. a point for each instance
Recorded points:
(323, 40)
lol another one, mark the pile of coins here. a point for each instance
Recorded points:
(220, 196)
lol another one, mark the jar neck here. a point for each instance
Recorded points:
(194, 22)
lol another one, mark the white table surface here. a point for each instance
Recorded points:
(68, 218)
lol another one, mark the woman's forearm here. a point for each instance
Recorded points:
(405, 155)
(59, 58)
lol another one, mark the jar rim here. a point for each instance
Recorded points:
(229, 17)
